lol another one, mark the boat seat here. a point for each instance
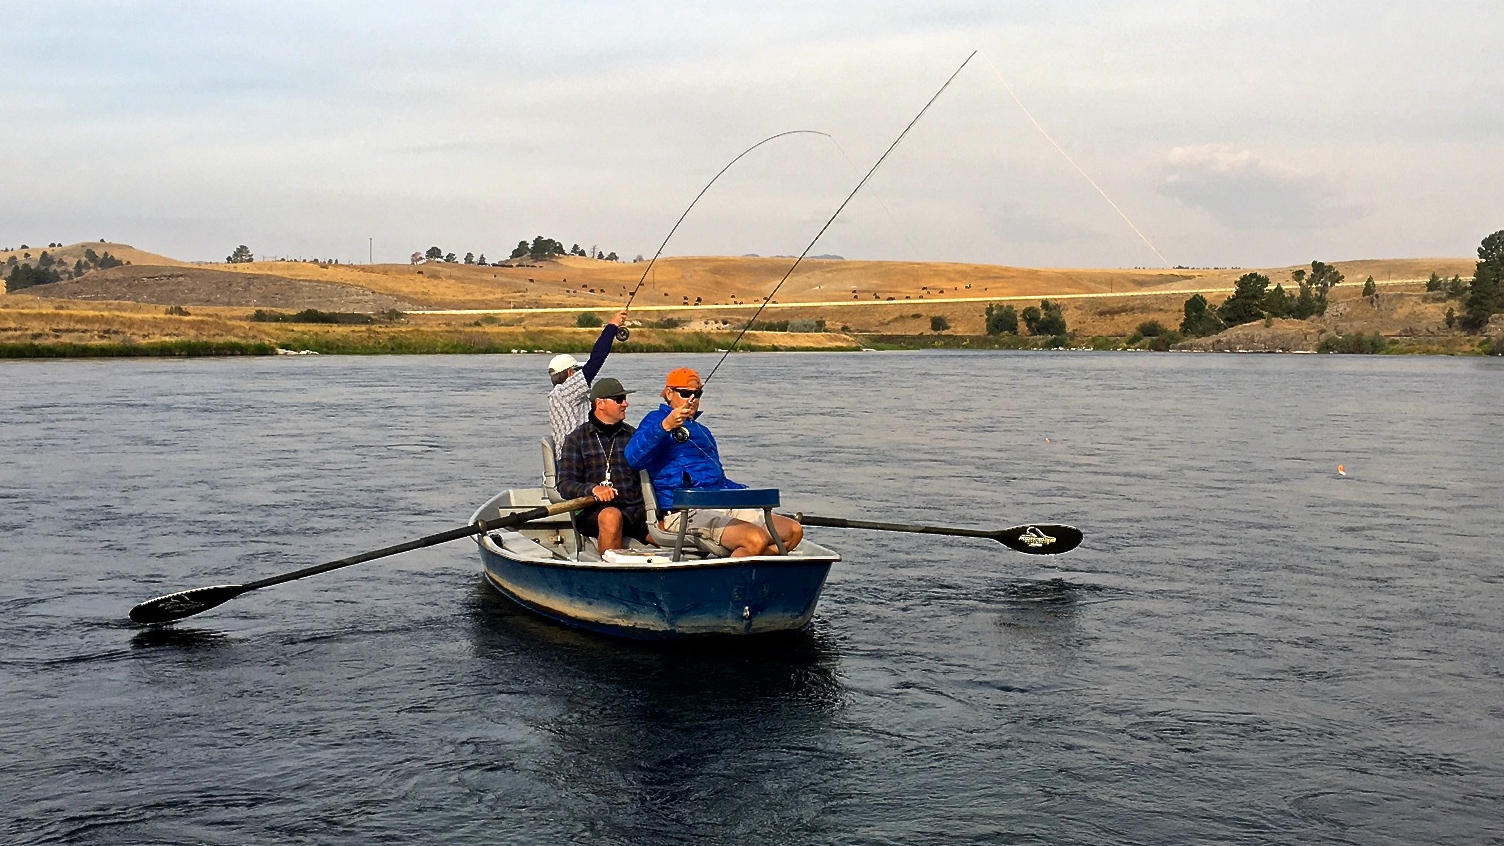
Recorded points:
(686, 499)
(551, 490)
(670, 540)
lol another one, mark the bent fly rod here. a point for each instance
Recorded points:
(818, 235)
(621, 333)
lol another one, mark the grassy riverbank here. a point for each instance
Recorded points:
(157, 306)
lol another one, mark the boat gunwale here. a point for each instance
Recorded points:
(798, 557)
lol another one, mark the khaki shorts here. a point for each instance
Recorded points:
(709, 523)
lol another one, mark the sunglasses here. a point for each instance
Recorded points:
(688, 394)
(619, 400)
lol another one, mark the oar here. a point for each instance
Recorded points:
(186, 603)
(1034, 539)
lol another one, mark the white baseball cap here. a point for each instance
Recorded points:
(560, 363)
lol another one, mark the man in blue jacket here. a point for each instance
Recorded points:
(672, 445)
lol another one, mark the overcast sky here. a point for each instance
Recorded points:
(1230, 133)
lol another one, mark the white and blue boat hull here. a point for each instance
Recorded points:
(654, 598)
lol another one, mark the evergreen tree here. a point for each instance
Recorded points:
(1485, 296)
(25, 276)
(469, 258)
(1199, 320)
(1277, 303)
(241, 255)
(1247, 301)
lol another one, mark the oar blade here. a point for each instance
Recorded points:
(1040, 538)
(184, 603)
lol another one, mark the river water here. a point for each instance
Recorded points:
(1249, 646)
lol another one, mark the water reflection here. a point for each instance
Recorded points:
(678, 736)
(177, 638)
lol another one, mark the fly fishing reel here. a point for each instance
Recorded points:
(680, 434)
(622, 334)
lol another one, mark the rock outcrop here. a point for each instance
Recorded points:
(1278, 336)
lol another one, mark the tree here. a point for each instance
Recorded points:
(1051, 320)
(1434, 284)
(1032, 316)
(520, 250)
(451, 258)
(433, 254)
(1371, 290)
(469, 258)
(611, 256)
(26, 276)
(1247, 301)
(1044, 320)
(1277, 303)
(415, 258)
(938, 323)
(242, 255)
(1485, 296)
(587, 320)
(1199, 320)
(482, 260)
(544, 248)
(1002, 320)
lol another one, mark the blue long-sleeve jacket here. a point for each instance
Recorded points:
(667, 460)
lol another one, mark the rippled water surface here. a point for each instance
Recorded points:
(1249, 647)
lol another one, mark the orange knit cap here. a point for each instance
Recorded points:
(684, 377)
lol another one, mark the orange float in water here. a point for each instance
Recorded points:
(1341, 471)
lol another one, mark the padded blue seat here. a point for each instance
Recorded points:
(685, 498)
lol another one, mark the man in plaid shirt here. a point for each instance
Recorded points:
(593, 462)
(568, 402)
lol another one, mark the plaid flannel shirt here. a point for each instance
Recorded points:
(586, 455)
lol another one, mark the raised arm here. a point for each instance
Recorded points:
(602, 346)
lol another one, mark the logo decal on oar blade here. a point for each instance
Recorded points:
(1034, 539)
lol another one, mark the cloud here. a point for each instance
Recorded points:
(1242, 191)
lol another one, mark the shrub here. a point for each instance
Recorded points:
(1357, 342)
(312, 315)
(938, 323)
(1002, 320)
(1151, 329)
(588, 320)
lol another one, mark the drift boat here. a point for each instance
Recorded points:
(680, 589)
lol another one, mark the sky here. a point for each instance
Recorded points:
(1229, 134)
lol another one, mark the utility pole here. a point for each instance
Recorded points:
(370, 251)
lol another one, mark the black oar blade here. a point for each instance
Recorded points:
(184, 603)
(1040, 539)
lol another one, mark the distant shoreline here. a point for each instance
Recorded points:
(697, 342)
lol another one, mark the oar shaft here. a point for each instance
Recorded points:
(478, 528)
(839, 523)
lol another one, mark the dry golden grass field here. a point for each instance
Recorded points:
(459, 307)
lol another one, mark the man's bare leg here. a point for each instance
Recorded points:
(609, 524)
(790, 531)
(745, 539)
